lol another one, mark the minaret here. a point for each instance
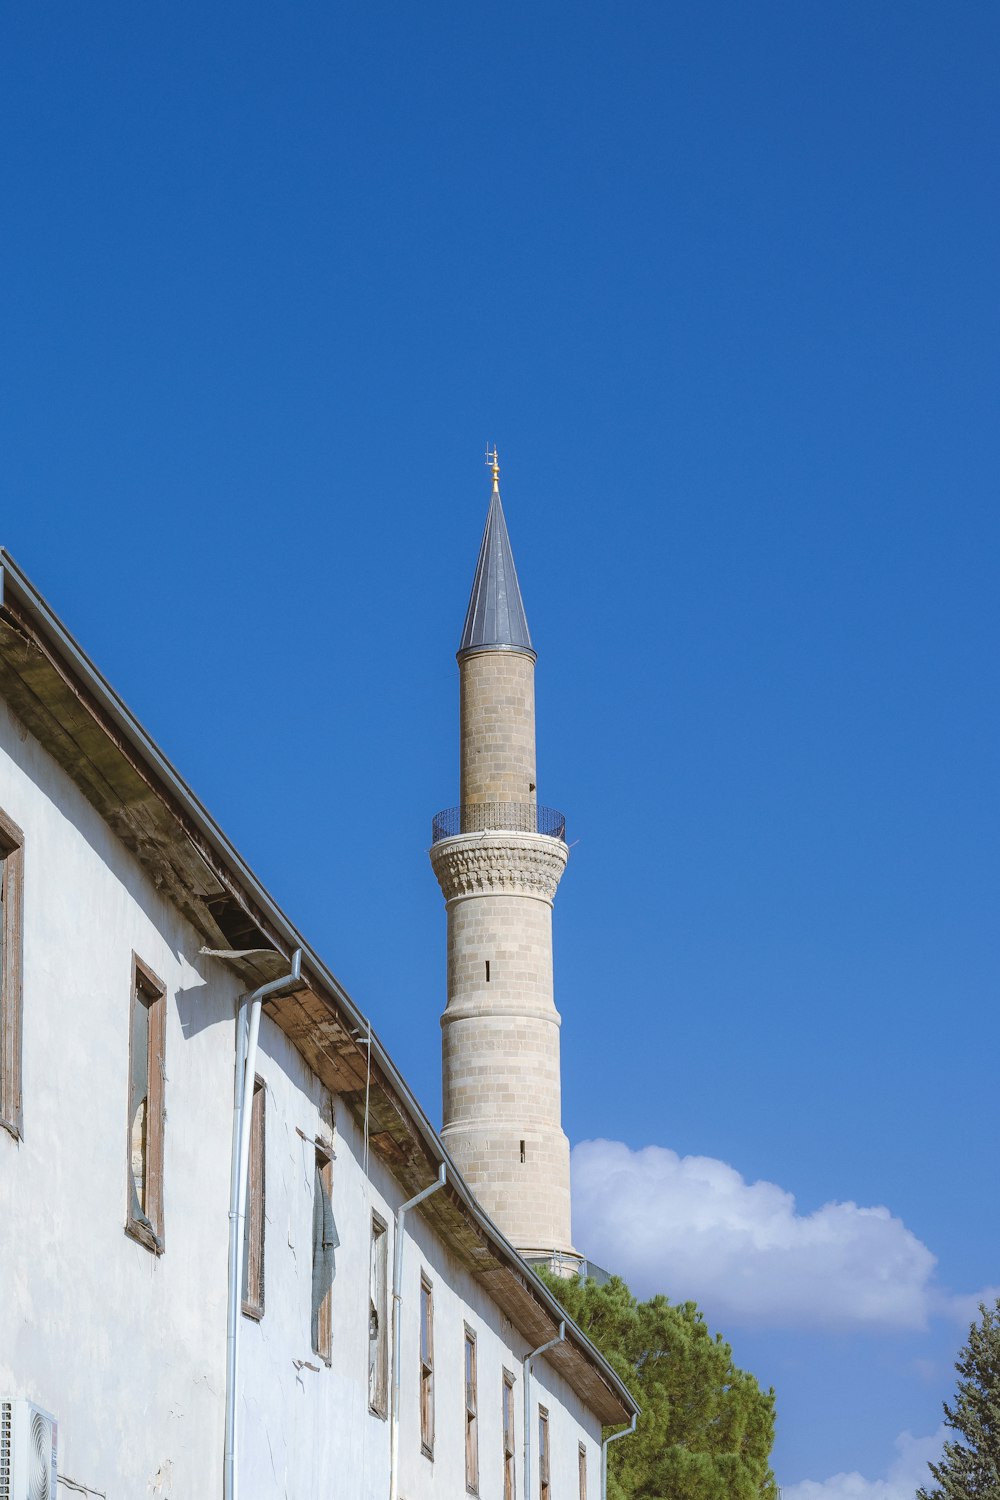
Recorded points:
(498, 858)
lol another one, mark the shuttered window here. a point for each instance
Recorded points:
(325, 1244)
(144, 1217)
(11, 867)
(508, 1436)
(471, 1415)
(378, 1314)
(426, 1368)
(544, 1491)
(253, 1224)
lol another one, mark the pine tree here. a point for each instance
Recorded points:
(706, 1427)
(970, 1470)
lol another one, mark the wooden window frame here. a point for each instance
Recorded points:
(323, 1325)
(11, 971)
(144, 1222)
(253, 1224)
(509, 1432)
(582, 1467)
(544, 1458)
(426, 1339)
(471, 1381)
(378, 1288)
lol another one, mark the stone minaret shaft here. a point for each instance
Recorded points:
(499, 874)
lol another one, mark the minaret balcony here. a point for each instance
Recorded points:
(498, 817)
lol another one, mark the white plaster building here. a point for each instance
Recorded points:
(118, 1042)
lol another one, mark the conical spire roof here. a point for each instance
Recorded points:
(495, 620)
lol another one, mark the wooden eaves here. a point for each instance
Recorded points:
(58, 694)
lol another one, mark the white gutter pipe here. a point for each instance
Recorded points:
(529, 1360)
(397, 1300)
(625, 1432)
(247, 1031)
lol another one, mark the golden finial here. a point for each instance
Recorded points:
(493, 462)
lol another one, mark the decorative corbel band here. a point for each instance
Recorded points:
(499, 864)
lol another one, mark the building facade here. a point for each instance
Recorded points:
(132, 934)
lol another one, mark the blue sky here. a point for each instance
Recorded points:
(719, 280)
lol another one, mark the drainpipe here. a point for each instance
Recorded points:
(529, 1360)
(625, 1432)
(247, 1030)
(397, 1300)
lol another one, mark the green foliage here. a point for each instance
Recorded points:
(706, 1428)
(971, 1470)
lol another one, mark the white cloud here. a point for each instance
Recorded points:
(906, 1474)
(693, 1228)
(964, 1308)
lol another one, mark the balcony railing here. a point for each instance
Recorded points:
(498, 817)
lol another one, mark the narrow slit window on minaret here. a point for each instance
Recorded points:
(522, 1151)
(487, 971)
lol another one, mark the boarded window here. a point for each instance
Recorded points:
(144, 1220)
(544, 1492)
(508, 1435)
(11, 866)
(378, 1314)
(426, 1368)
(253, 1224)
(582, 1463)
(325, 1244)
(471, 1415)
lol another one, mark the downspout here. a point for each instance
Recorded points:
(625, 1432)
(529, 1360)
(247, 1031)
(397, 1299)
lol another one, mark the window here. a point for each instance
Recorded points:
(471, 1416)
(325, 1245)
(11, 865)
(253, 1224)
(378, 1327)
(583, 1471)
(544, 1493)
(426, 1368)
(144, 1220)
(508, 1435)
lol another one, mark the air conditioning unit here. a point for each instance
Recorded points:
(28, 1451)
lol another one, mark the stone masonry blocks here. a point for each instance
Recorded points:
(498, 727)
(529, 1198)
(500, 1032)
(500, 1028)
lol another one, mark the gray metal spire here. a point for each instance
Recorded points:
(495, 620)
